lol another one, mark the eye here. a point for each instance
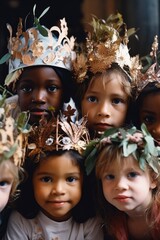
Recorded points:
(132, 174)
(92, 99)
(46, 179)
(52, 88)
(148, 119)
(117, 101)
(4, 183)
(26, 87)
(109, 177)
(71, 179)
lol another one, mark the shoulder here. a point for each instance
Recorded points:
(93, 228)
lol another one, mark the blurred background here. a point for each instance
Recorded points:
(144, 15)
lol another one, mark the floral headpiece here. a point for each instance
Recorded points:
(61, 132)
(106, 44)
(13, 134)
(38, 46)
(132, 141)
(150, 72)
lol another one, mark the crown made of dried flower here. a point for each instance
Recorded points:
(61, 132)
(13, 134)
(106, 44)
(150, 72)
(38, 46)
(132, 141)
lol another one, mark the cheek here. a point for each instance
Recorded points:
(4, 197)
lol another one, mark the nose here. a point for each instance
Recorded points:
(104, 110)
(39, 96)
(58, 188)
(121, 184)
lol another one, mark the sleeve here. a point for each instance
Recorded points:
(93, 229)
(17, 228)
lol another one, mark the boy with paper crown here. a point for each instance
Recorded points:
(40, 68)
(104, 71)
(13, 140)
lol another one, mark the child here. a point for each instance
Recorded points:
(54, 201)
(147, 95)
(104, 71)
(40, 68)
(127, 170)
(12, 149)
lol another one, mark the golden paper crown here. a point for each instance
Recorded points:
(152, 74)
(106, 44)
(39, 46)
(61, 132)
(13, 134)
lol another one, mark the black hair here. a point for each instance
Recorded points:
(67, 81)
(136, 106)
(26, 203)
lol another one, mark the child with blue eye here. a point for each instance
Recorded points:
(127, 172)
(55, 198)
(40, 68)
(103, 72)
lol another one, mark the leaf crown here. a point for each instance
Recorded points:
(132, 141)
(38, 46)
(107, 43)
(13, 134)
(62, 132)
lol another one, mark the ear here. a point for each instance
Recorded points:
(153, 184)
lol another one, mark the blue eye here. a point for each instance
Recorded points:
(117, 101)
(46, 179)
(52, 88)
(4, 183)
(92, 99)
(132, 174)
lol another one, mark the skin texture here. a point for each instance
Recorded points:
(39, 90)
(105, 103)
(6, 181)
(150, 114)
(127, 187)
(57, 184)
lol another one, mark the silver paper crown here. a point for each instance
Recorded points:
(39, 46)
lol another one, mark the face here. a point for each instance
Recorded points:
(105, 103)
(127, 187)
(39, 90)
(150, 114)
(6, 181)
(57, 186)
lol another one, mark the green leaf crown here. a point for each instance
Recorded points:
(132, 141)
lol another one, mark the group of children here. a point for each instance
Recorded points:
(94, 175)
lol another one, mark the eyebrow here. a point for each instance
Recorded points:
(49, 173)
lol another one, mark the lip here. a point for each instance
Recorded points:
(103, 126)
(39, 112)
(57, 204)
(121, 198)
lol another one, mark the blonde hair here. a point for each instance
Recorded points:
(14, 171)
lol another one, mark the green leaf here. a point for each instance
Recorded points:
(5, 58)
(42, 30)
(22, 122)
(91, 161)
(129, 148)
(44, 12)
(8, 155)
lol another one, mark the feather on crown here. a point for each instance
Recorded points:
(106, 44)
(132, 141)
(61, 132)
(13, 134)
(38, 46)
(150, 72)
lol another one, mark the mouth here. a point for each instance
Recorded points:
(39, 112)
(101, 127)
(122, 198)
(57, 204)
